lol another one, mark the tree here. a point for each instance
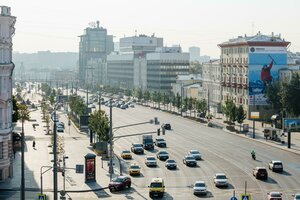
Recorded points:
(190, 105)
(240, 116)
(201, 107)
(147, 95)
(290, 97)
(99, 124)
(273, 95)
(227, 108)
(178, 101)
(16, 113)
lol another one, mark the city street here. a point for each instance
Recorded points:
(221, 152)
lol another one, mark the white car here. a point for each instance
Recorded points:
(220, 179)
(200, 188)
(276, 165)
(197, 155)
(150, 161)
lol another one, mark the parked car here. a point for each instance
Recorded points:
(220, 180)
(167, 126)
(274, 196)
(171, 164)
(137, 148)
(162, 155)
(260, 172)
(200, 188)
(150, 161)
(189, 161)
(126, 154)
(119, 183)
(276, 166)
(196, 154)
(134, 169)
(296, 196)
(160, 142)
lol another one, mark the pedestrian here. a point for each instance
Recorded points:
(33, 144)
(14, 153)
(262, 124)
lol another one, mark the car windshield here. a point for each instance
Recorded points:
(126, 151)
(118, 179)
(137, 145)
(155, 185)
(195, 152)
(190, 158)
(150, 158)
(160, 139)
(221, 177)
(163, 152)
(171, 161)
(135, 167)
(199, 184)
(275, 195)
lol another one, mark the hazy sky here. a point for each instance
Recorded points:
(56, 24)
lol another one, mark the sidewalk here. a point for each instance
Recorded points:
(259, 135)
(76, 146)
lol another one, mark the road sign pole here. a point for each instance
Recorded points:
(245, 187)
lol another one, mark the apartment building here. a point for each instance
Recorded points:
(249, 65)
(7, 30)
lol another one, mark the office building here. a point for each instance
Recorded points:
(194, 54)
(95, 43)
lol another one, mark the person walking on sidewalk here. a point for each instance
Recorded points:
(33, 144)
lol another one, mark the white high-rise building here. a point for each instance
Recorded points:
(194, 54)
(7, 30)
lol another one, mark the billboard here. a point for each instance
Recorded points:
(264, 66)
(291, 124)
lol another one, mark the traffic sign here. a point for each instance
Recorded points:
(233, 198)
(41, 197)
(245, 197)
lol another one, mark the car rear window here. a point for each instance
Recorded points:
(275, 195)
(262, 170)
(155, 185)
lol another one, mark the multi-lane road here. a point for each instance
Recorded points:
(221, 152)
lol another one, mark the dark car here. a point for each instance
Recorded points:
(167, 126)
(119, 183)
(137, 148)
(171, 164)
(162, 155)
(260, 173)
(189, 160)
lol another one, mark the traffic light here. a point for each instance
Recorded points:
(158, 132)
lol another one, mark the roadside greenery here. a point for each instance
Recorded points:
(99, 124)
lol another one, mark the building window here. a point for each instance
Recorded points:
(1, 150)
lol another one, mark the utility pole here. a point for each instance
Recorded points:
(253, 136)
(55, 160)
(22, 162)
(110, 141)
(87, 99)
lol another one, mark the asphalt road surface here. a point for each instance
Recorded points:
(221, 152)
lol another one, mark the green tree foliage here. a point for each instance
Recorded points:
(196, 68)
(240, 115)
(99, 124)
(190, 105)
(290, 97)
(24, 112)
(201, 106)
(178, 101)
(16, 113)
(229, 109)
(273, 95)
(77, 104)
(147, 96)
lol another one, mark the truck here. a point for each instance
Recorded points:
(147, 142)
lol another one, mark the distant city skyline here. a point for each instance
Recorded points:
(55, 25)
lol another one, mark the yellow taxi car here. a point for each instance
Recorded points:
(156, 188)
(126, 154)
(134, 169)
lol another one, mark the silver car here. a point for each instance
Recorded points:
(197, 155)
(200, 188)
(220, 179)
(150, 161)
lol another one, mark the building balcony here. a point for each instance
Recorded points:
(228, 84)
(245, 85)
(233, 84)
(239, 85)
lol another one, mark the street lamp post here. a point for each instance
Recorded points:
(55, 160)
(22, 162)
(110, 140)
